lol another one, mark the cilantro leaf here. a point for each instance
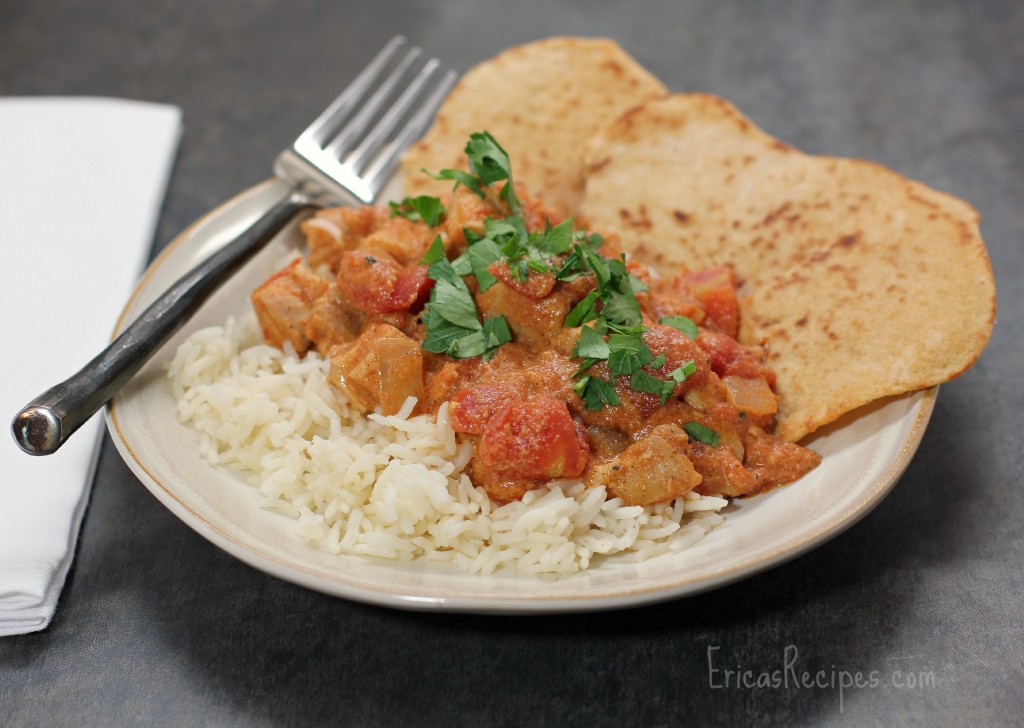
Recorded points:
(641, 381)
(621, 308)
(496, 333)
(681, 323)
(462, 265)
(591, 345)
(583, 311)
(596, 393)
(481, 255)
(503, 231)
(454, 303)
(686, 369)
(700, 433)
(556, 240)
(460, 177)
(572, 267)
(423, 208)
(636, 285)
(628, 353)
(484, 342)
(442, 335)
(434, 253)
(490, 163)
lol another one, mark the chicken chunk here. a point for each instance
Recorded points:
(382, 368)
(653, 470)
(332, 231)
(283, 302)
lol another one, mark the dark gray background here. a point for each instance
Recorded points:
(158, 627)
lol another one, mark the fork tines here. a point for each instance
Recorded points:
(356, 141)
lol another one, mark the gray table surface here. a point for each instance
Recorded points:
(158, 627)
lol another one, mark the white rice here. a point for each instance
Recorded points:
(395, 487)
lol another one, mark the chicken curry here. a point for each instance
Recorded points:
(557, 355)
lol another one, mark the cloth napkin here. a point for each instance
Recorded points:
(81, 185)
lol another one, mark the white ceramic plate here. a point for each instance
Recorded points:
(863, 457)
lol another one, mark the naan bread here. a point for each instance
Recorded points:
(541, 101)
(861, 283)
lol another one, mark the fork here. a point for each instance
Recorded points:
(346, 155)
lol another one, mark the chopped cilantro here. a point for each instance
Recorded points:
(596, 393)
(621, 308)
(591, 345)
(627, 353)
(681, 323)
(488, 163)
(451, 317)
(583, 311)
(434, 253)
(701, 433)
(641, 381)
(491, 164)
(615, 331)
(425, 208)
(482, 252)
(481, 255)
(556, 240)
(484, 342)
(683, 371)
(460, 177)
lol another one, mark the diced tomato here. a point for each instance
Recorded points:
(728, 357)
(535, 287)
(535, 439)
(472, 408)
(678, 349)
(375, 283)
(715, 288)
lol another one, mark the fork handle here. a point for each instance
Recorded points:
(50, 419)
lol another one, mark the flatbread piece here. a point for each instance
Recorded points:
(541, 101)
(860, 283)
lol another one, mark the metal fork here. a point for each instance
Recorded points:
(346, 155)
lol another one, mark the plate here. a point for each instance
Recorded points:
(864, 455)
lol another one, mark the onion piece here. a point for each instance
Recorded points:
(752, 396)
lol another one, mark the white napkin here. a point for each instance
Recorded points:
(81, 184)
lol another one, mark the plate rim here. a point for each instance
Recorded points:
(600, 598)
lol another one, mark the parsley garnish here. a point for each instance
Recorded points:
(613, 310)
(425, 208)
(585, 310)
(596, 393)
(681, 372)
(452, 320)
(641, 381)
(488, 163)
(681, 323)
(591, 345)
(701, 433)
(615, 331)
